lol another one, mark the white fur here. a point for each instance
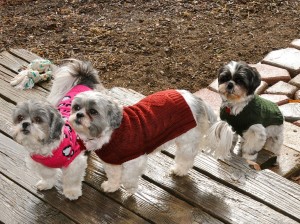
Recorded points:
(72, 176)
(188, 145)
(63, 82)
(232, 66)
(221, 137)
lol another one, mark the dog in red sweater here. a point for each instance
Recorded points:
(122, 137)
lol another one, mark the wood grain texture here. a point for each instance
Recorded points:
(24, 54)
(150, 202)
(17, 95)
(92, 207)
(19, 206)
(213, 197)
(265, 186)
(6, 109)
(13, 63)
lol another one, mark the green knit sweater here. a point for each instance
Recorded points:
(257, 111)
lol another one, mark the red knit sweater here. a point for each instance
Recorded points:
(147, 125)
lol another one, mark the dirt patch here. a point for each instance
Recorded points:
(151, 45)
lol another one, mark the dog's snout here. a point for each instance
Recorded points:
(79, 115)
(230, 86)
(25, 125)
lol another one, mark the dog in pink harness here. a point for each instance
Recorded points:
(71, 145)
(44, 130)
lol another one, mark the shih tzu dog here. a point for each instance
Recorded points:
(257, 121)
(122, 137)
(45, 132)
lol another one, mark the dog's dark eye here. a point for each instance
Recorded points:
(224, 78)
(76, 107)
(239, 81)
(20, 118)
(93, 112)
(38, 120)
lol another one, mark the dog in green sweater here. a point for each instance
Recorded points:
(257, 121)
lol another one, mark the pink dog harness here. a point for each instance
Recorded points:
(147, 125)
(71, 146)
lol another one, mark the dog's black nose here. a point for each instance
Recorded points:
(25, 125)
(230, 86)
(79, 115)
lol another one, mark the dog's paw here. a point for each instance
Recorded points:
(72, 193)
(132, 190)
(44, 185)
(109, 187)
(179, 171)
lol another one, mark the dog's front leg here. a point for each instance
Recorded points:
(48, 175)
(113, 173)
(73, 176)
(253, 141)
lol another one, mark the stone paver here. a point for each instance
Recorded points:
(282, 88)
(278, 99)
(295, 81)
(212, 98)
(296, 43)
(297, 95)
(214, 86)
(272, 74)
(291, 111)
(297, 123)
(288, 58)
(262, 87)
(291, 136)
(289, 159)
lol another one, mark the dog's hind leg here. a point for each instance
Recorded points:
(188, 146)
(275, 138)
(113, 173)
(132, 171)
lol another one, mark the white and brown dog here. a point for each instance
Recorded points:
(45, 132)
(257, 121)
(122, 137)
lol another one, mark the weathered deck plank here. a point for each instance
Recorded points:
(24, 54)
(19, 206)
(17, 95)
(151, 202)
(264, 186)
(213, 197)
(5, 118)
(92, 207)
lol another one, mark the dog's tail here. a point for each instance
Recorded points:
(220, 138)
(73, 73)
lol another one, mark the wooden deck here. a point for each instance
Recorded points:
(213, 192)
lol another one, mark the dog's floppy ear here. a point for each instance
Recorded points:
(114, 113)
(56, 122)
(254, 79)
